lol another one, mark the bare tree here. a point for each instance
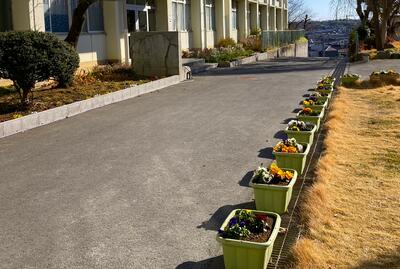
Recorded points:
(383, 12)
(393, 23)
(298, 13)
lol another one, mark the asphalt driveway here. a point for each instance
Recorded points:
(146, 182)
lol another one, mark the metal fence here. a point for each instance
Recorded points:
(274, 39)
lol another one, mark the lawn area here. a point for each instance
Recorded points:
(353, 210)
(101, 80)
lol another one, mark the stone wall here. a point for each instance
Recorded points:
(156, 53)
(299, 49)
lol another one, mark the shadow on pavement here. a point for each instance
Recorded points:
(280, 135)
(216, 220)
(266, 153)
(212, 263)
(286, 121)
(245, 181)
(265, 67)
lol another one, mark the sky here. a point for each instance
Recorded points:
(321, 9)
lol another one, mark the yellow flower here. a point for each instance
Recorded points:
(288, 175)
(274, 169)
(281, 174)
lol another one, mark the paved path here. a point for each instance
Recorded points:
(365, 69)
(146, 182)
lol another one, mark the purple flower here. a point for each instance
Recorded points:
(242, 223)
(232, 222)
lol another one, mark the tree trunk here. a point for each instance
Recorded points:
(78, 18)
(360, 11)
(24, 98)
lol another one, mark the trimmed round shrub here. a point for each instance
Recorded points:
(226, 42)
(28, 57)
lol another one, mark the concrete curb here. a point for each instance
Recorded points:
(31, 121)
(291, 50)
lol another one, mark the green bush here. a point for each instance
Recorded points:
(353, 56)
(255, 32)
(28, 57)
(252, 42)
(362, 31)
(219, 55)
(226, 42)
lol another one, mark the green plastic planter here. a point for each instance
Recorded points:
(325, 99)
(325, 91)
(296, 161)
(302, 137)
(318, 107)
(239, 254)
(274, 198)
(313, 119)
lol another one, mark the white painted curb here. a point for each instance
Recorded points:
(31, 121)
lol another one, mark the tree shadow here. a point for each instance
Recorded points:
(384, 261)
(280, 135)
(265, 67)
(212, 263)
(266, 153)
(216, 219)
(7, 90)
(245, 181)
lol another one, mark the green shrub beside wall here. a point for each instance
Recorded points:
(28, 57)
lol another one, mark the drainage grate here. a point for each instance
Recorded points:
(281, 256)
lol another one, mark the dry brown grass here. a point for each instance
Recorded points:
(396, 44)
(87, 84)
(353, 209)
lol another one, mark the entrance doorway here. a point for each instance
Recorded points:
(140, 17)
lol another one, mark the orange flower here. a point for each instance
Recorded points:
(307, 110)
(274, 169)
(281, 174)
(289, 175)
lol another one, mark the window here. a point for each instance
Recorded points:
(210, 15)
(181, 15)
(249, 18)
(58, 16)
(95, 17)
(234, 15)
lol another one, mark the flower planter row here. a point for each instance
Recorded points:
(273, 199)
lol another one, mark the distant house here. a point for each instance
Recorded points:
(331, 52)
(105, 34)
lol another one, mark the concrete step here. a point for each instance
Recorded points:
(203, 68)
(192, 62)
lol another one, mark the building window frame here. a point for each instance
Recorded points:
(70, 4)
(234, 11)
(209, 15)
(181, 15)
